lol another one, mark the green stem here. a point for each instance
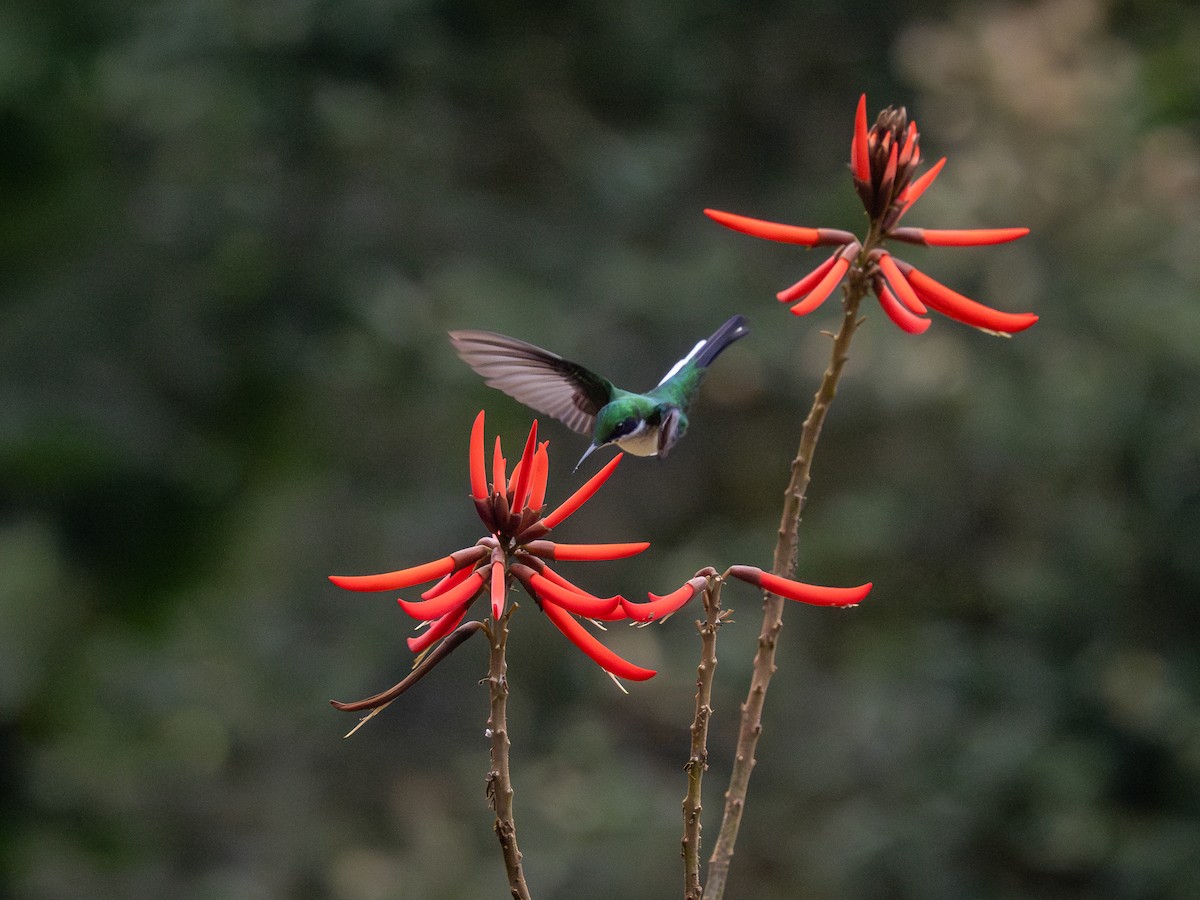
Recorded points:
(499, 784)
(784, 565)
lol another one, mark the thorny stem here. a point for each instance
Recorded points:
(698, 760)
(499, 785)
(784, 566)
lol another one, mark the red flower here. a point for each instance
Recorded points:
(660, 607)
(513, 511)
(883, 162)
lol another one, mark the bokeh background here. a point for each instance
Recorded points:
(233, 236)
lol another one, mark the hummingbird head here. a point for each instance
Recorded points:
(619, 421)
(615, 422)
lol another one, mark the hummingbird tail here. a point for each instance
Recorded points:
(731, 331)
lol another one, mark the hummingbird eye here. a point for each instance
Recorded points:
(626, 427)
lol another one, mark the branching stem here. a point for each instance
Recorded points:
(784, 565)
(698, 759)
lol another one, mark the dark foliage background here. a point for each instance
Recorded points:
(233, 235)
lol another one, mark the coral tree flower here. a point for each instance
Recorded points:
(513, 510)
(659, 608)
(883, 162)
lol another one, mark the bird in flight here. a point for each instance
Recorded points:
(646, 424)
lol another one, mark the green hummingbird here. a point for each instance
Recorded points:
(646, 424)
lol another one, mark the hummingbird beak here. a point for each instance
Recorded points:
(586, 454)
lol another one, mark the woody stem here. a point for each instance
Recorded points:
(499, 784)
(698, 759)
(784, 566)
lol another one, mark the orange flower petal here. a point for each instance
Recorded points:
(904, 290)
(499, 590)
(581, 496)
(478, 472)
(814, 594)
(427, 610)
(771, 231)
(594, 552)
(439, 629)
(859, 160)
(521, 491)
(661, 607)
(599, 654)
(541, 473)
(913, 192)
(970, 237)
(454, 578)
(499, 479)
(899, 313)
(392, 581)
(808, 282)
(821, 292)
(964, 309)
(910, 155)
(572, 599)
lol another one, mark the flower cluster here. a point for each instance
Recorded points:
(516, 548)
(883, 161)
(513, 511)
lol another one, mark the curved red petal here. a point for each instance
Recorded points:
(900, 315)
(521, 492)
(456, 577)
(913, 192)
(436, 608)
(594, 552)
(814, 594)
(392, 581)
(499, 478)
(859, 159)
(970, 237)
(581, 496)
(572, 599)
(499, 590)
(541, 473)
(910, 147)
(659, 607)
(599, 654)
(478, 471)
(964, 309)
(771, 231)
(821, 292)
(904, 290)
(438, 630)
(808, 282)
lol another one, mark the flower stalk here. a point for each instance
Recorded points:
(499, 782)
(697, 762)
(784, 565)
(883, 163)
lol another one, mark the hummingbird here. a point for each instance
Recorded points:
(646, 424)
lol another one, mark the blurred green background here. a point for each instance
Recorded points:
(233, 236)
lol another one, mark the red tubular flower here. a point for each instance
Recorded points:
(661, 607)
(574, 552)
(514, 548)
(600, 654)
(883, 164)
(438, 629)
(901, 315)
(798, 590)
(582, 495)
(428, 610)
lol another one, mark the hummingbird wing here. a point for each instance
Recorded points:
(538, 378)
(669, 431)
